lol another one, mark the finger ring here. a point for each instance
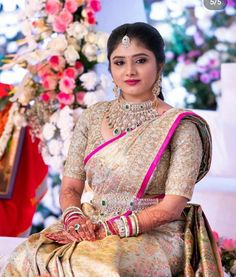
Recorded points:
(76, 227)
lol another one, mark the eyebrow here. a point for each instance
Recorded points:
(136, 55)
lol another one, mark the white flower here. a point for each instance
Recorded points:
(48, 131)
(189, 70)
(209, 56)
(56, 162)
(102, 57)
(90, 51)
(37, 56)
(230, 34)
(221, 47)
(38, 219)
(54, 117)
(216, 87)
(58, 44)
(90, 98)
(101, 40)
(91, 37)
(65, 147)
(233, 268)
(54, 147)
(77, 30)
(71, 55)
(220, 33)
(66, 133)
(89, 80)
(65, 121)
(105, 81)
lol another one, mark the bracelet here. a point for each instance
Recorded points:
(136, 223)
(71, 209)
(106, 228)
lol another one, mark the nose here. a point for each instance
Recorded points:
(130, 69)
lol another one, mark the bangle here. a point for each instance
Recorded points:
(71, 209)
(136, 223)
(124, 219)
(105, 226)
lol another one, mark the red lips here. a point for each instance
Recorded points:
(132, 82)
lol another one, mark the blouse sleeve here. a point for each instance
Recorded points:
(74, 166)
(185, 160)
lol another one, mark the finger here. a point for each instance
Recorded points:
(90, 228)
(72, 232)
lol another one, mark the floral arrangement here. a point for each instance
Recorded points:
(58, 52)
(198, 41)
(227, 250)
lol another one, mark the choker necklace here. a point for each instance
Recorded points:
(123, 116)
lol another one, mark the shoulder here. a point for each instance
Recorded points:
(98, 107)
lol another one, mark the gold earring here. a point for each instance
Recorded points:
(116, 90)
(157, 87)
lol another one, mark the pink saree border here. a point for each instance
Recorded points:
(160, 153)
(89, 156)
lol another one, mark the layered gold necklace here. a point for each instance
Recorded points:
(123, 116)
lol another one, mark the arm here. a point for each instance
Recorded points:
(186, 156)
(168, 210)
(71, 191)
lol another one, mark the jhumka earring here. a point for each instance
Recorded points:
(116, 90)
(157, 87)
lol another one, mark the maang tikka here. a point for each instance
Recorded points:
(126, 41)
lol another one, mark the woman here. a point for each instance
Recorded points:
(141, 158)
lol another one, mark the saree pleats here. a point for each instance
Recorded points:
(201, 254)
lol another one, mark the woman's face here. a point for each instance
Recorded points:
(134, 70)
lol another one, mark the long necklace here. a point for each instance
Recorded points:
(124, 116)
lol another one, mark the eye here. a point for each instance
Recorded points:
(119, 63)
(141, 60)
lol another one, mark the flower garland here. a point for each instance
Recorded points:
(59, 50)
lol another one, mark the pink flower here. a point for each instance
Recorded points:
(80, 67)
(67, 84)
(71, 72)
(80, 97)
(62, 21)
(95, 5)
(53, 6)
(71, 5)
(49, 82)
(65, 98)
(90, 17)
(43, 70)
(216, 236)
(215, 74)
(57, 62)
(45, 97)
(228, 244)
(205, 78)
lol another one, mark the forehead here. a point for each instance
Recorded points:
(135, 47)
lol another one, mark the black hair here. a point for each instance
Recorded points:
(145, 34)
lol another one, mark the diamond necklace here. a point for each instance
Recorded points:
(123, 116)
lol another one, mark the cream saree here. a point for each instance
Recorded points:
(121, 173)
